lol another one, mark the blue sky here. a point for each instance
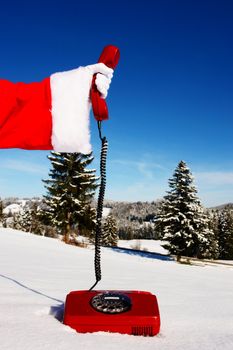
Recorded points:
(171, 97)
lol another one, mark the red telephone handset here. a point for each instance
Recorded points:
(110, 57)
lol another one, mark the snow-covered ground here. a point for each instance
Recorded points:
(36, 273)
(143, 244)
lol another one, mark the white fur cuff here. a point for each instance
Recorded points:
(70, 110)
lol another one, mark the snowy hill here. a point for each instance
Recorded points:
(37, 272)
(223, 206)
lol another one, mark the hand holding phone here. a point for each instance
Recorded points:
(110, 57)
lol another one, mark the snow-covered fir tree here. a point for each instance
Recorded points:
(27, 220)
(14, 221)
(70, 190)
(213, 217)
(109, 232)
(225, 234)
(24, 220)
(183, 220)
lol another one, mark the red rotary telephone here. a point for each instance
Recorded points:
(121, 311)
(110, 57)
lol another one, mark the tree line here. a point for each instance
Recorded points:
(179, 219)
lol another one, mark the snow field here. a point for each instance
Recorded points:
(36, 273)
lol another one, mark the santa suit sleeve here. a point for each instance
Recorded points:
(51, 114)
(25, 115)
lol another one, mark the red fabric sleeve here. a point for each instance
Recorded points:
(25, 115)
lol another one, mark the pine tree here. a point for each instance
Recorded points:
(35, 223)
(110, 237)
(15, 221)
(213, 217)
(70, 190)
(184, 223)
(24, 220)
(87, 221)
(225, 234)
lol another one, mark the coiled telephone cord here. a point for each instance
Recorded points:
(100, 203)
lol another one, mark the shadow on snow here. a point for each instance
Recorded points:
(56, 311)
(142, 253)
